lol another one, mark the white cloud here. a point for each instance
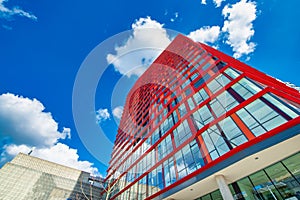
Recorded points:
(14, 149)
(58, 153)
(118, 111)
(148, 40)
(102, 115)
(67, 132)
(8, 13)
(25, 126)
(205, 34)
(25, 122)
(239, 26)
(218, 2)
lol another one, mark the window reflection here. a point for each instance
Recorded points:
(279, 181)
(245, 88)
(214, 142)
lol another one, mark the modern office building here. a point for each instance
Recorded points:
(199, 124)
(27, 177)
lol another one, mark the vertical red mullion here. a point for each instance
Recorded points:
(243, 127)
(204, 149)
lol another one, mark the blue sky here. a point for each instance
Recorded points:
(43, 45)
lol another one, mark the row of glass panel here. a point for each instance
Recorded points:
(189, 158)
(258, 116)
(280, 181)
(192, 68)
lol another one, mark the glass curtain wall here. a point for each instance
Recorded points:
(280, 181)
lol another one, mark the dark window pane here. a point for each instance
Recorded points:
(293, 164)
(264, 186)
(283, 180)
(247, 190)
(232, 132)
(206, 197)
(216, 195)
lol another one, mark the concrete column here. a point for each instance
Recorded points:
(224, 189)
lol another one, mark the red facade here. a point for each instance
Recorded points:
(194, 108)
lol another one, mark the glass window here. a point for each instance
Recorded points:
(169, 172)
(185, 84)
(281, 106)
(202, 117)
(283, 180)
(151, 183)
(265, 115)
(196, 154)
(195, 75)
(293, 164)
(188, 159)
(201, 80)
(200, 96)
(181, 168)
(219, 82)
(142, 188)
(234, 135)
(150, 158)
(133, 192)
(216, 195)
(206, 66)
(264, 186)
(187, 92)
(251, 122)
(232, 73)
(155, 136)
(166, 125)
(155, 180)
(206, 197)
(278, 181)
(217, 107)
(260, 118)
(220, 65)
(164, 148)
(245, 88)
(175, 117)
(214, 142)
(223, 103)
(227, 100)
(182, 133)
(247, 190)
(146, 145)
(201, 61)
(158, 119)
(182, 110)
(191, 103)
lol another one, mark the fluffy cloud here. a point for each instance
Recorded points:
(148, 40)
(238, 25)
(8, 13)
(67, 132)
(205, 34)
(25, 126)
(58, 153)
(218, 2)
(118, 111)
(102, 115)
(25, 122)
